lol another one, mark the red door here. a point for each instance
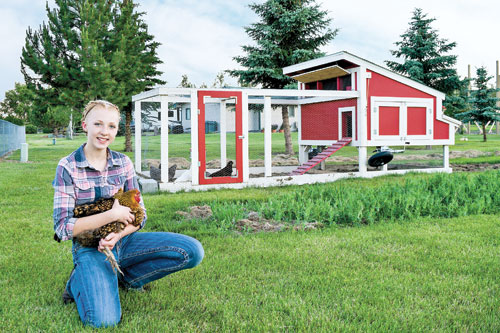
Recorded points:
(209, 131)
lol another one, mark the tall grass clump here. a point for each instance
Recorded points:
(351, 203)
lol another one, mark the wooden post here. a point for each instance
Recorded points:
(362, 160)
(137, 139)
(267, 138)
(194, 138)
(446, 157)
(164, 139)
(222, 131)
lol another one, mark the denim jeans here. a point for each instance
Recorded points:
(143, 257)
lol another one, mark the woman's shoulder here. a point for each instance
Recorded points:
(69, 160)
(120, 158)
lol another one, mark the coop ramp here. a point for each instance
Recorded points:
(320, 157)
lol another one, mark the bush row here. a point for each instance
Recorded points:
(348, 202)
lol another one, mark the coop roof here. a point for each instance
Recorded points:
(345, 61)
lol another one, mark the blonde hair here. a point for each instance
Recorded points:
(92, 104)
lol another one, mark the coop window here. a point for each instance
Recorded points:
(170, 113)
(312, 86)
(330, 84)
(345, 82)
(291, 111)
(188, 113)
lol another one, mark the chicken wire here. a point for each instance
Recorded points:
(179, 138)
(11, 137)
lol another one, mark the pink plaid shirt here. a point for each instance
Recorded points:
(77, 182)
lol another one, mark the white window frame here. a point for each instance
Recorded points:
(402, 104)
(353, 121)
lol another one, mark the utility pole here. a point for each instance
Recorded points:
(498, 95)
(468, 95)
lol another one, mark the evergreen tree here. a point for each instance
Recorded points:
(90, 49)
(482, 102)
(425, 59)
(289, 32)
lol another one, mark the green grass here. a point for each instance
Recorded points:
(424, 274)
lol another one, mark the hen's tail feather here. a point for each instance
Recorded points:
(112, 260)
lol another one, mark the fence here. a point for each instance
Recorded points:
(11, 137)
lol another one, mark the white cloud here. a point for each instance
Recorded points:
(200, 38)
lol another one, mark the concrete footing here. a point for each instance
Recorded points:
(148, 185)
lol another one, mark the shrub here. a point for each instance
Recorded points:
(347, 203)
(31, 129)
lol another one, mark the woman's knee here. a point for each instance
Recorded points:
(106, 319)
(196, 253)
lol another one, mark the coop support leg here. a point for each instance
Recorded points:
(446, 157)
(303, 153)
(362, 160)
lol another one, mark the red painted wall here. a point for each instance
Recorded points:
(382, 86)
(320, 121)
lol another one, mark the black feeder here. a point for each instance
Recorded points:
(380, 159)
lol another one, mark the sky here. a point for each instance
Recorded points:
(199, 38)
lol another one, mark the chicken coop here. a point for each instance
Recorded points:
(227, 138)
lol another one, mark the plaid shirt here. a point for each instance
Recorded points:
(77, 182)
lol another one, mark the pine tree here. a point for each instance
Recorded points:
(289, 32)
(425, 59)
(482, 102)
(90, 49)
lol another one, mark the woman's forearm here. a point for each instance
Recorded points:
(93, 222)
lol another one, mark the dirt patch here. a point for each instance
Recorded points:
(254, 223)
(196, 212)
(181, 162)
(475, 167)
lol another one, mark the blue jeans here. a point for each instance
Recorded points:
(143, 257)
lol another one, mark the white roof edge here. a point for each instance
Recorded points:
(451, 120)
(368, 64)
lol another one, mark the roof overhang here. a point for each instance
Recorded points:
(330, 60)
(321, 74)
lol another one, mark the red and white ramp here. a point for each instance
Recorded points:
(320, 157)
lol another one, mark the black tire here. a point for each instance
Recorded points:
(380, 159)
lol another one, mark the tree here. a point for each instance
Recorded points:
(219, 81)
(185, 82)
(425, 59)
(289, 32)
(17, 103)
(482, 102)
(90, 49)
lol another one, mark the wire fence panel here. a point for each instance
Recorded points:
(11, 137)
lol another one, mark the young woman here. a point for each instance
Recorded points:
(89, 173)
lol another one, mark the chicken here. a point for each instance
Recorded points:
(224, 172)
(156, 172)
(91, 238)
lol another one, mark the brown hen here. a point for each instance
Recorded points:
(91, 238)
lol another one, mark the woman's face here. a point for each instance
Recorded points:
(101, 125)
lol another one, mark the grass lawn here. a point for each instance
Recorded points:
(417, 275)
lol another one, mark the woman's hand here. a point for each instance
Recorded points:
(109, 241)
(122, 214)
